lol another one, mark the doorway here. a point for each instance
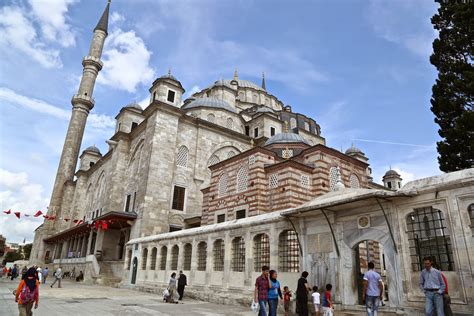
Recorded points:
(134, 270)
(369, 251)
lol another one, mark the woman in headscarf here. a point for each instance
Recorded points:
(27, 293)
(172, 288)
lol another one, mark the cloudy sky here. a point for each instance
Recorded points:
(360, 68)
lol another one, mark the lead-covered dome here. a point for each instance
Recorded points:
(283, 138)
(391, 173)
(93, 149)
(134, 105)
(354, 150)
(240, 83)
(210, 103)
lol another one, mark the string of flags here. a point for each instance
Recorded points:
(104, 224)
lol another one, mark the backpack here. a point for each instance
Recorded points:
(26, 295)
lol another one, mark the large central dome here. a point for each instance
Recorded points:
(241, 83)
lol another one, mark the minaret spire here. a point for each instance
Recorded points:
(264, 86)
(82, 104)
(236, 75)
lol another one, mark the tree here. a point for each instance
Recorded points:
(12, 256)
(453, 93)
(27, 251)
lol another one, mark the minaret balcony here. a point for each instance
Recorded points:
(83, 99)
(94, 61)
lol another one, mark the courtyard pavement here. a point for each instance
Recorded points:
(80, 299)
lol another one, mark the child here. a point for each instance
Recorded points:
(286, 299)
(327, 301)
(316, 300)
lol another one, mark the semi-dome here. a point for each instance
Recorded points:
(134, 105)
(283, 138)
(354, 150)
(93, 149)
(210, 103)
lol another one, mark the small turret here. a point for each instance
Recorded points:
(167, 89)
(392, 180)
(129, 118)
(89, 157)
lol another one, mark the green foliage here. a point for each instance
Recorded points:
(27, 251)
(12, 256)
(453, 93)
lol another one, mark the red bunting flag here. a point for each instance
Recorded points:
(104, 225)
(46, 216)
(7, 212)
(39, 213)
(17, 214)
(52, 218)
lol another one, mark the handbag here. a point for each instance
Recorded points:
(254, 307)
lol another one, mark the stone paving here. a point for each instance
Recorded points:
(80, 299)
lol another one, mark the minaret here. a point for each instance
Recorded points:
(82, 103)
(264, 86)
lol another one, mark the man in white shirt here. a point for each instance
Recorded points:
(316, 300)
(372, 291)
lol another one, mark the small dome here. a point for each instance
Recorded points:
(168, 76)
(134, 105)
(354, 150)
(93, 149)
(264, 109)
(282, 138)
(210, 103)
(391, 173)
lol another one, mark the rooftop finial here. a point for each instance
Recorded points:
(236, 75)
(286, 129)
(169, 71)
(264, 86)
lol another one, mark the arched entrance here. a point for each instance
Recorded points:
(134, 270)
(364, 252)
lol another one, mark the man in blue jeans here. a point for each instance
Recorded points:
(372, 291)
(261, 291)
(432, 284)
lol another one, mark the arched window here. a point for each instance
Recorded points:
(288, 251)
(241, 96)
(261, 252)
(428, 236)
(293, 123)
(333, 174)
(154, 254)
(174, 257)
(230, 154)
(213, 160)
(182, 158)
(222, 185)
(144, 258)
(163, 257)
(287, 153)
(354, 181)
(306, 126)
(202, 256)
(211, 117)
(188, 249)
(218, 255)
(242, 179)
(238, 254)
(273, 181)
(230, 123)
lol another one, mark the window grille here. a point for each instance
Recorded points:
(287, 153)
(221, 218)
(304, 181)
(428, 236)
(230, 154)
(273, 181)
(354, 181)
(240, 214)
(261, 252)
(213, 160)
(188, 249)
(202, 256)
(238, 254)
(163, 257)
(218, 255)
(144, 258)
(174, 257)
(230, 123)
(129, 259)
(333, 174)
(252, 159)
(211, 117)
(288, 251)
(182, 159)
(242, 179)
(222, 185)
(153, 258)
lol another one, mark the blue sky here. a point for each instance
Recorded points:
(359, 68)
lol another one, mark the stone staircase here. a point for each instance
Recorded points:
(106, 276)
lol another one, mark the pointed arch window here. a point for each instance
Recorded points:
(230, 123)
(354, 181)
(144, 258)
(163, 257)
(261, 252)
(174, 257)
(218, 255)
(222, 185)
(333, 174)
(238, 254)
(154, 253)
(242, 179)
(288, 251)
(188, 249)
(211, 118)
(202, 256)
(213, 160)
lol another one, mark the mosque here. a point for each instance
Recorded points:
(231, 179)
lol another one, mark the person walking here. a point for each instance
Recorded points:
(182, 282)
(58, 274)
(286, 299)
(172, 288)
(14, 273)
(261, 291)
(274, 291)
(372, 290)
(45, 274)
(432, 284)
(302, 295)
(27, 293)
(327, 301)
(316, 300)
(39, 272)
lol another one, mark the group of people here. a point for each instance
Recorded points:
(175, 288)
(268, 292)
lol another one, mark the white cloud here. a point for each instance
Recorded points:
(19, 195)
(405, 23)
(126, 59)
(17, 32)
(51, 15)
(116, 17)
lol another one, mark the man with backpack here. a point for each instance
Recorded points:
(58, 274)
(27, 293)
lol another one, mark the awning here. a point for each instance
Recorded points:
(116, 220)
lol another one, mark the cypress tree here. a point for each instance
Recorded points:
(453, 93)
